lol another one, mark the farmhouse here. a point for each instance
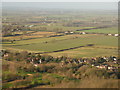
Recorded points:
(82, 33)
(31, 25)
(109, 67)
(101, 66)
(71, 32)
(6, 55)
(81, 61)
(114, 59)
(66, 32)
(116, 35)
(40, 61)
(109, 34)
(35, 65)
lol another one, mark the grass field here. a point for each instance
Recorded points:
(86, 52)
(105, 43)
(112, 30)
(29, 35)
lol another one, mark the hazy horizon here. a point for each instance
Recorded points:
(61, 5)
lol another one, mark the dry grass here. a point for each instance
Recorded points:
(32, 35)
(94, 82)
(38, 33)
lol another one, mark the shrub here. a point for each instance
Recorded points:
(7, 85)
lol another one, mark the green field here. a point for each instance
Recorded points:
(69, 41)
(87, 52)
(105, 30)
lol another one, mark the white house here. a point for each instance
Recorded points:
(66, 32)
(31, 25)
(114, 59)
(40, 61)
(109, 68)
(35, 65)
(6, 55)
(83, 33)
(116, 35)
(71, 32)
(32, 60)
(109, 34)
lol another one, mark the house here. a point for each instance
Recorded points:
(109, 68)
(32, 60)
(82, 33)
(94, 59)
(66, 32)
(114, 59)
(29, 74)
(35, 65)
(85, 61)
(71, 32)
(40, 61)
(81, 61)
(31, 25)
(109, 34)
(104, 58)
(97, 66)
(6, 55)
(101, 67)
(116, 35)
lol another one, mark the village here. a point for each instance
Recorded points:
(108, 63)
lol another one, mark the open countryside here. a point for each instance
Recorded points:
(59, 47)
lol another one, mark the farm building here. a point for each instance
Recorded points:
(82, 33)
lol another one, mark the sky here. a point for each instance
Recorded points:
(60, 0)
(61, 5)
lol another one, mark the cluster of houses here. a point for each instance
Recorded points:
(5, 55)
(34, 61)
(82, 33)
(91, 61)
(68, 32)
(107, 67)
(116, 35)
(71, 32)
(29, 25)
(102, 62)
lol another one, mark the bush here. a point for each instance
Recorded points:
(10, 76)
(7, 85)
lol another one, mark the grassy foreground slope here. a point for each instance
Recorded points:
(23, 70)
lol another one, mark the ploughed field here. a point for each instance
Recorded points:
(74, 45)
